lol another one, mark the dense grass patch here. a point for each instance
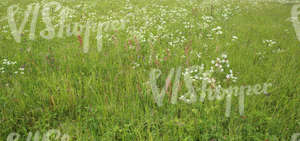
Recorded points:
(106, 95)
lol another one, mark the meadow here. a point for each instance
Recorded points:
(86, 68)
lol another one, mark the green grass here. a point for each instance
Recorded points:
(100, 96)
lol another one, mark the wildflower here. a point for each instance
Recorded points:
(228, 76)
(198, 55)
(234, 38)
(219, 33)
(269, 43)
(224, 55)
